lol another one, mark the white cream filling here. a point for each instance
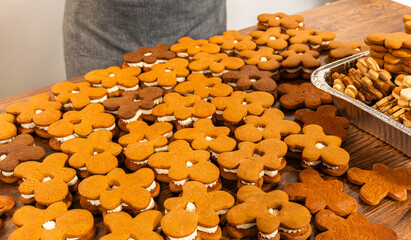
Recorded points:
(219, 74)
(68, 105)
(112, 89)
(7, 174)
(46, 179)
(195, 118)
(6, 140)
(93, 85)
(319, 146)
(269, 235)
(181, 182)
(295, 150)
(219, 112)
(180, 79)
(191, 207)
(28, 125)
(137, 115)
(117, 209)
(315, 163)
(143, 162)
(158, 101)
(161, 170)
(325, 43)
(182, 54)
(112, 112)
(213, 154)
(306, 70)
(246, 225)
(232, 84)
(234, 170)
(247, 183)
(94, 202)
(189, 237)
(43, 127)
(152, 186)
(185, 122)
(166, 118)
(210, 185)
(2, 157)
(72, 181)
(149, 65)
(168, 135)
(139, 64)
(49, 225)
(127, 88)
(314, 46)
(270, 173)
(27, 196)
(82, 168)
(202, 71)
(293, 70)
(150, 84)
(161, 149)
(329, 166)
(168, 88)
(72, 238)
(289, 230)
(63, 139)
(222, 212)
(151, 205)
(109, 128)
(207, 230)
(100, 100)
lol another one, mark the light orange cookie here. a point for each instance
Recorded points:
(299, 60)
(6, 204)
(281, 20)
(319, 149)
(340, 50)
(36, 114)
(188, 47)
(144, 140)
(180, 224)
(95, 154)
(253, 164)
(272, 37)
(208, 206)
(316, 39)
(232, 42)
(114, 79)
(47, 182)
(216, 64)
(264, 58)
(181, 164)
(183, 111)
(7, 128)
(118, 191)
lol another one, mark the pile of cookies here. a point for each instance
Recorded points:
(181, 119)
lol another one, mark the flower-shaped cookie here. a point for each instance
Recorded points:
(254, 163)
(124, 227)
(133, 104)
(208, 206)
(184, 110)
(147, 57)
(341, 50)
(356, 226)
(21, 149)
(181, 164)
(187, 46)
(380, 182)
(232, 42)
(78, 95)
(7, 128)
(38, 111)
(268, 215)
(6, 204)
(281, 20)
(270, 125)
(299, 60)
(315, 39)
(319, 194)
(144, 140)
(264, 58)
(272, 38)
(250, 78)
(114, 79)
(205, 136)
(47, 182)
(80, 124)
(166, 75)
(319, 148)
(117, 190)
(55, 222)
(240, 104)
(326, 118)
(95, 154)
(217, 64)
(206, 88)
(303, 95)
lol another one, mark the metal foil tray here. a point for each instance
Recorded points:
(357, 112)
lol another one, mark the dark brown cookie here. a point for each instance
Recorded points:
(305, 94)
(146, 57)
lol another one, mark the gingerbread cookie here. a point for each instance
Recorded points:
(55, 222)
(356, 226)
(47, 182)
(319, 149)
(208, 206)
(114, 79)
(188, 47)
(268, 215)
(122, 226)
(299, 61)
(6, 204)
(272, 38)
(390, 40)
(180, 224)
(8, 129)
(316, 39)
(326, 118)
(81, 123)
(319, 194)
(77, 95)
(250, 78)
(270, 125)
(253, 164)
(21, 149)
(183, 111)
(380, 182)
(407, 23)
(281, 20)
(206, 88)
(205, 136)
(264, 58)
(240, 104)
(303, 95)
(146, 57)
(95, 154)
(36, 114)
(166, 75)
(118, 191)
(216, 64)
(181, 164)
(341, 50)
(144, 140)
(134, 104)
(232, 42)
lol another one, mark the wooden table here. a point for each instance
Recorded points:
(352, 20)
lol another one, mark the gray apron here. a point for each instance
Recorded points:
(98, 32)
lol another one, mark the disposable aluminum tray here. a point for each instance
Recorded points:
(357, 112)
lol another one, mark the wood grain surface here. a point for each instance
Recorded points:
(352, 20)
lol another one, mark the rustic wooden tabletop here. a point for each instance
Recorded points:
(352, 20)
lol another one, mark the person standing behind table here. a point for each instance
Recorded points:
(97, 33)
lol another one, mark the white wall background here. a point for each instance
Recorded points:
(31, 44)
